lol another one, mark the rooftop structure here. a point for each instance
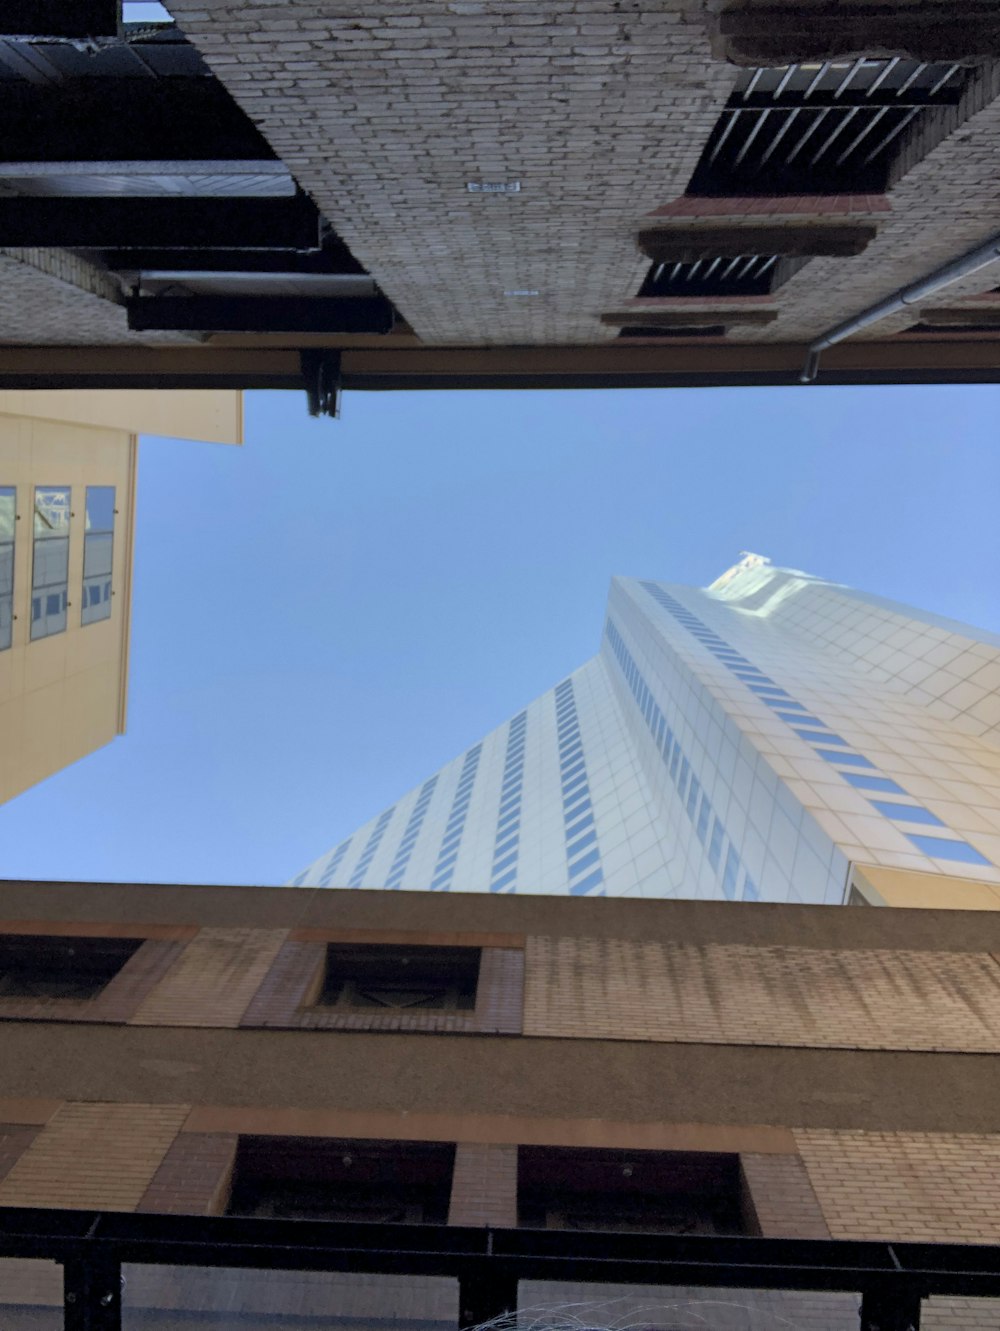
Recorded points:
(466, 194)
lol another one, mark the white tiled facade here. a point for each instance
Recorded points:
(748, 741)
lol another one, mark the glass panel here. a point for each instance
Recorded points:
(50, 561)
(167, 1298)
(98, 552)
(31, 1295)
(558, 1306)
(8, 513)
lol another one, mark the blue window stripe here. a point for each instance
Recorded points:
(507, 845)
(693, 792)
(571, 832)
(880, 783)
(783, 704)
(794, 719)
(751, 892)
(584, 862)
(573, 771)
(941, 849)
(768, 689)
(505, 864)
(908, 813)
(818, 737)
(577, 809)
(854, 759)
(570, 786)
(715, 847)
(756, 676)
(443, 864)
(704, 813)
(498, 883)
(587, 840)
(730, 873)
(585, 884)
(509, 821)
(674, 761)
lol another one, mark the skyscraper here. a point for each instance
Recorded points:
(773, 737)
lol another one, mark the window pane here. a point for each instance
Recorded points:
(8, 511)
(98, 552)
(31, 1295)
(50, 560)
(229, 1299)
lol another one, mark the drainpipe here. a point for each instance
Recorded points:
(917, 291)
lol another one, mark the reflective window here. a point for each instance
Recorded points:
(50, 561)
(98, 549)
(8, 516)
(881, 783)
(907, 813)
(854, 759)
(715, 845)
(941, 849)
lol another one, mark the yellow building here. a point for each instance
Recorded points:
(67, 500)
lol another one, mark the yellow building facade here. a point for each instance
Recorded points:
(67, 505)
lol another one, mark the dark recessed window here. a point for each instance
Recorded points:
(38, 966)
(962, 330)
(830, 128)
(378, 977)
(725, 275)
(651, 1192)
(308, 1178)
(641, 330)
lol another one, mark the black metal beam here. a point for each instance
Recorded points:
(127, 120)
(60, 18)
(167, 223)
(334, 260)
(260, 314)
(888, 1274)
(92, 1294)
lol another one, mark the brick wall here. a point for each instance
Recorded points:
(213, 980)
(918, 1186)
(623, 990)
(15, 1138)
(100, 1156)
(782, 1197)
(194, 1176)
(484, 1185)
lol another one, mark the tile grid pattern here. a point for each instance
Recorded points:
(409, 838)
(583, 856)
(817, 735)
(444, 869)
(504, 871)
(372, 845)
(694, 800)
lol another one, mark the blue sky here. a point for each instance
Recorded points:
(325, 616)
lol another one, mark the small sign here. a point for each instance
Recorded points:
(494, 187)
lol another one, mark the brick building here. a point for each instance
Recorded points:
(434, 1062)
(454, 192)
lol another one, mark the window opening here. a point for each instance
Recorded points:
(98, 552)
(830, 128)
(40, 966)
(375, 977)
(8, 517)
(50, 561)
(302, 1178)
(650, 1192)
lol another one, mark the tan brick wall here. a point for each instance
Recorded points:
(917, 1186)
(213, 980)
(782, 1197)
(877, 999)
(195, 1175)
(484, 1185)
(100, 1156)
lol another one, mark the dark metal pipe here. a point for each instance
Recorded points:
(909, 295)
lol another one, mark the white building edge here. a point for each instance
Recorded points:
(748, 741)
